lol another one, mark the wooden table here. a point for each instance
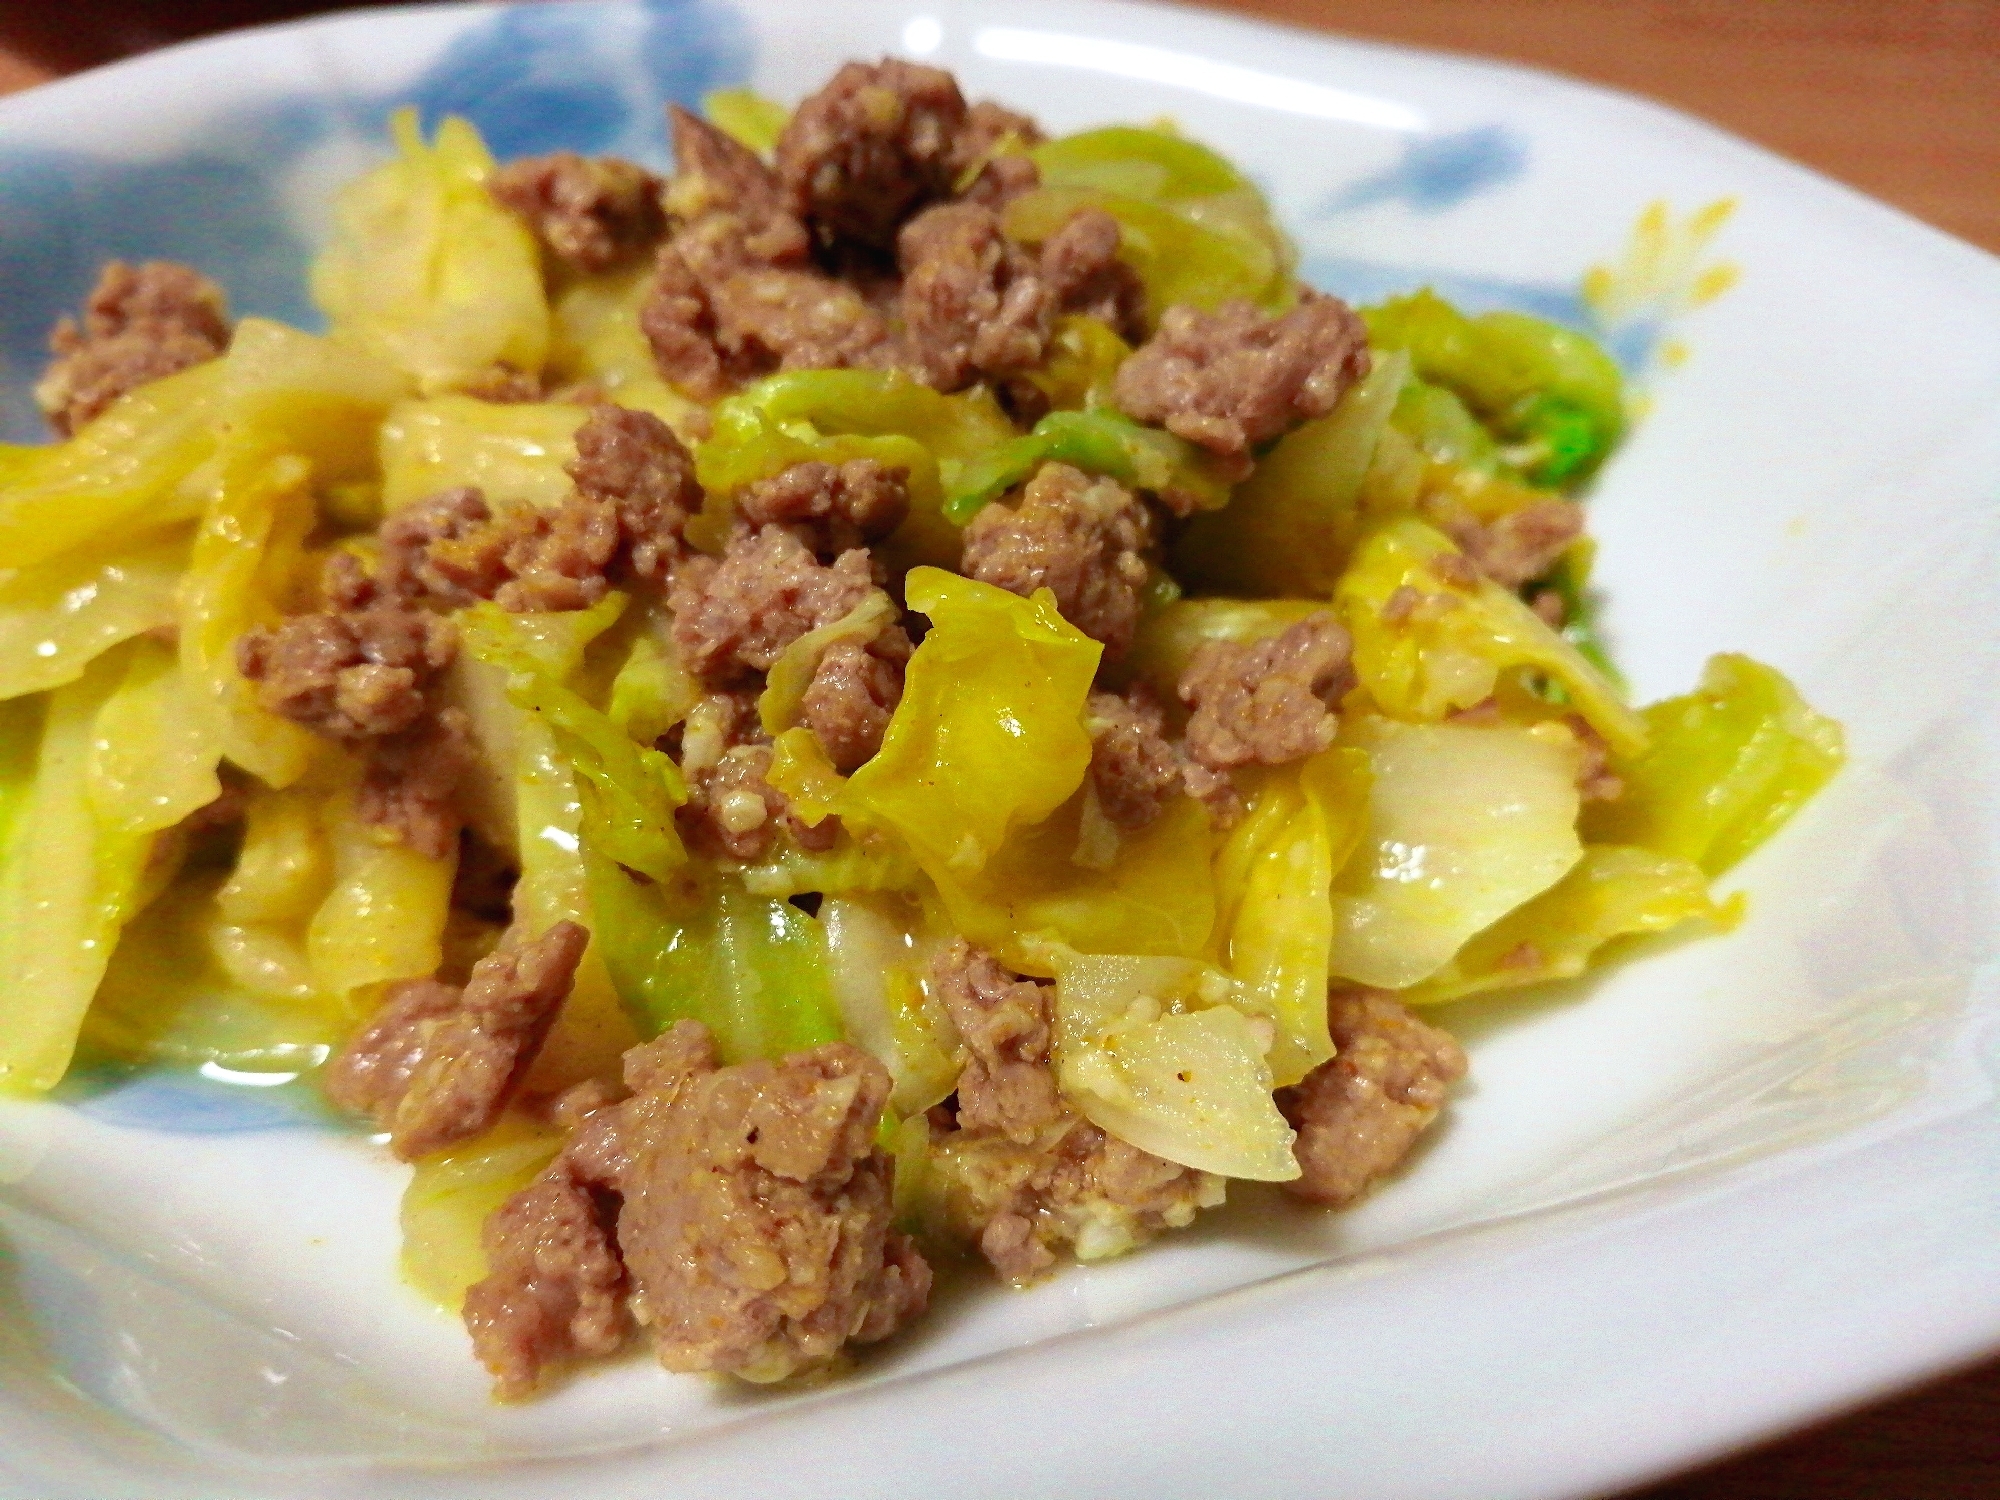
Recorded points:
(1899, 97)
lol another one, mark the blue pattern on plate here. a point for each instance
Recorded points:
(1440, 172)
(588, 77)
(182, 1102)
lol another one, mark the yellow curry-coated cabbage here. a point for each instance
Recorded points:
(512, 451)
(1152, 1050)
(58, 617)
(989, 735)
(383, 918)
(1464, 824)
(239, 573)
(128, 468)
(153, 754)
(1612, 892)
(1273, 872)
(1728, 765)
(1290, 526)
(596, 338)
(171, 996)
(427, 271)
(1431, 635)
(68, 883)
(879, 952)
(543, 802)
(452, 1193)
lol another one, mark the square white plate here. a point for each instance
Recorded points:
(1729, 1187)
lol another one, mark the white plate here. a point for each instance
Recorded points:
(1739, 1184)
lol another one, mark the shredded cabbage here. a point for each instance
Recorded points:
(1098, 442)
(427, 271)
(1727, 767)
(452, 1193)
(514, 451)
(1152, 1050)
(1464, 824)
(56, 619)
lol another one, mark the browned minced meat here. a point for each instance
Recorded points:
(877, 142)
(436, 1065)
(853, 694)
(740, 613)
(410, 786)
(1005, 1084)
(1023, 1174)
(973, 302)
(1086, 539)
(632, 461)
(1266, 701)
(1132, 767)
(504, 385)
(753, 1215)
(590, 213)
(733, 811)
(554, 1290)
(1358, 1115)
(352, 674)
(995, 141)
(1081, 265)
(831, 508)
(733, 292)
(1236, 377)
(1524, 544)
(635, 488)
(139, 324)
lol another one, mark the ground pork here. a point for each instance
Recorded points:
(733, 294)
(1023, 1175)
(1132, 766)
(749, 1205)
(589, 213)
(1266, 701)
(973, 302)
(410, 786)
(1595, 778)
(632, 461)
(733, 811)
(876, 143)
(1005, 1083)
(738, 615)
(436, 1064)
(1072, 1187)
(989, 159)
(635, 488)
(554, 1290)
(139, 324)
(1084, 274)
(1523, 544)
(1086, 539)
(1358, 1115)
(352, 674)
(853, 693)
(831, 508)
(1236, 377)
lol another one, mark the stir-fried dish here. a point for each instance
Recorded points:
(903, 690)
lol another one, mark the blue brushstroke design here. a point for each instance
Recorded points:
(180, 1102)
(1440, 172)
(532, 78)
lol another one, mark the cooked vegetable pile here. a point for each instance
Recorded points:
(905, 687)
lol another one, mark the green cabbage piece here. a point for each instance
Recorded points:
(1613, 892)
(746, 116)
(1727, 767)
(752, 969)
(1098, 442)
(1291, 525)
(1194, 228)
(1550, 391)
